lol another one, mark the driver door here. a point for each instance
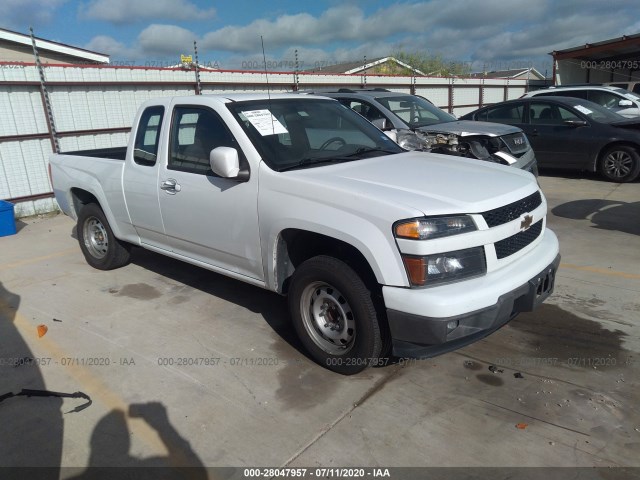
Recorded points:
(207, 218)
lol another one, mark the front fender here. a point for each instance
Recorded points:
(376, 244)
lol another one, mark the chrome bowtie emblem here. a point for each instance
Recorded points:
(526, 222)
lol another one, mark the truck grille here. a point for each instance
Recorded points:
(516, 142)
(517, 242)
(508, 213)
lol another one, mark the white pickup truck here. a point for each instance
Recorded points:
(380, 251)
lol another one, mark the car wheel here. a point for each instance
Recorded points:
(620, 164)
(334, 315)
(100, 247)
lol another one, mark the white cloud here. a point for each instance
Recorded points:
(112, 47)
(154, 43)
(349, 23)
(20, 14)
(488, 34)
(131, 11)
(166, 40)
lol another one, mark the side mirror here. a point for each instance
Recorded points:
(576, 123)
(625, 103)
(383, 124)
(225, 162)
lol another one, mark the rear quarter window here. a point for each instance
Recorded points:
(148, 135)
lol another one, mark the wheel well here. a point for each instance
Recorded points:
(295, 246)
(81, 198)
(598, 159)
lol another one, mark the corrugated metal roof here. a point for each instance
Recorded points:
(625, 46)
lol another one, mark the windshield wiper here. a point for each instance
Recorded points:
(363, 150)
(312, 161)
(336, 159)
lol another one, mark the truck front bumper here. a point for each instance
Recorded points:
(416, 335)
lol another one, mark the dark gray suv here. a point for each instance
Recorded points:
(417, 124)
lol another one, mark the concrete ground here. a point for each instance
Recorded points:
(187, 367)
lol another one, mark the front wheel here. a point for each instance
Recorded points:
(100, 247)
(334, 315)
(620, 164)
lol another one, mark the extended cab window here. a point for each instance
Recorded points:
(147, 137)
(195, 131)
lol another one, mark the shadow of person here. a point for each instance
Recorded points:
(110, 444)
(32, 427)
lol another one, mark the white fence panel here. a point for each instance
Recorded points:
(89, 101)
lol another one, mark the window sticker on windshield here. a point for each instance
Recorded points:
(265, 122)
(582, 109)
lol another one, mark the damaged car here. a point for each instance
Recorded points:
(417, 124)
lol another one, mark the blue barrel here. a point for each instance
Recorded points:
(7, 221)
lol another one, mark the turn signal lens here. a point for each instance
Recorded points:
(435, 227)
(416, 269)
(408, 230)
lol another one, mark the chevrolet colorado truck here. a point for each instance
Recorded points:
(379, 250)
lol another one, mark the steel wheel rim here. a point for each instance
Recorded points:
(95, 237)
(618, 164)
(328, 319)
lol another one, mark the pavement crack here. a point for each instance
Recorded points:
(367, 395)
(611, 192)
(533, 418)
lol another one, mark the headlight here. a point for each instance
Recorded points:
(411, 141)
(436, 227)
(445, 267)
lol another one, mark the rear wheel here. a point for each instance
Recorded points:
(100, 247)
(620, 164)
(334, 315)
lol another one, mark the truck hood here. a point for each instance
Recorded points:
(469, 127)
(428, 183)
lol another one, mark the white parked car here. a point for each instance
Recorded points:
(619, 100)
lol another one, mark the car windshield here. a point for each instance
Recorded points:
(597, 112)
(415, 111)
(304, 132)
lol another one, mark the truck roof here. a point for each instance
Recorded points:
(241, 97)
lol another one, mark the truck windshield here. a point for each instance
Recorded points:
(415, 111)
(304, 132)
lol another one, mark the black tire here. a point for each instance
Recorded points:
(100, 247)
(325, 289)
(620, 164)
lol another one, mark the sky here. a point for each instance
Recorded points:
(486, 34)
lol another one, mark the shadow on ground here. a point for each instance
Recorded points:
(302, 384)
(603, 214)
(32, 426)
(271, 306)
(111, 441)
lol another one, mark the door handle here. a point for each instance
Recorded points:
(171, 186)
(534, 133)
